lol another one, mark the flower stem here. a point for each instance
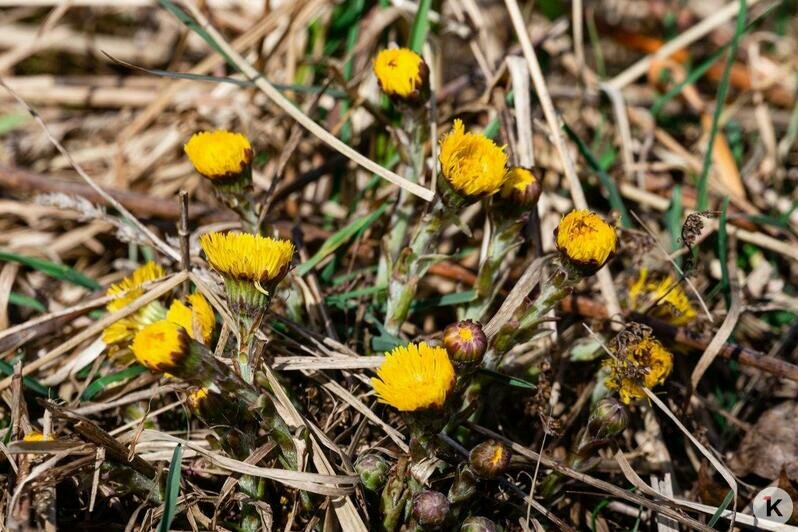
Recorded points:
(411, 266)
(504, 240)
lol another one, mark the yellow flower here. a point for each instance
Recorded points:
(642, 362)
(673, 305)
(414, 377)
(195, 398)
(401, 72)
(36, 436)
(472, 164)
(197, 318)
(128, 290)
(161, 346)
(218, 154)
(586, 240)
(521, 186)
(248, 257)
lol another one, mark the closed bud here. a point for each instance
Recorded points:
(465, 342)
(607, 419)
(478, 524)
(521, 187)
(373, 471)
(464, 486)
(490, 458)
(430, 508)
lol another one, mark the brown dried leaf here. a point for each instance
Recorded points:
(772, 444)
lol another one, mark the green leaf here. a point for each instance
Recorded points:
(339, 300)
(10, 121)
(58, 271)
(172, 490)
(607, 182)
(30, 383)
(456, 298)
(340, 238)
(507, 380)
(703, 180)
(15, 298)
(722, 508)
(102, 383)
(418, 34)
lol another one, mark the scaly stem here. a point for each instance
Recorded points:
(558, 285)
(505, 238)
(417, 123)
(411, 267)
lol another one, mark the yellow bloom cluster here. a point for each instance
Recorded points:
(471, 163)
(244, 256)
(414, 377)
(197, 318)
(585, 239)
(218, 154)
(673, 304)
(401, 72)
(37, 436)
(644, 362)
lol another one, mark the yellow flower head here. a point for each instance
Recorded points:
(161, 346)
(414, 377)
(672, 303)
(521, 186)
(218, 154)
(195, 398)
(37, 436)
(586, 240)
(472, 164)
(244, 256)
(127, 290)
(641, 362)
(401, 72)
(197, 318)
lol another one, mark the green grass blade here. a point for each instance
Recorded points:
(456, 298)
(191, 24)
(612, 190)
(172, 490)
(102, 383)
(11, 121)
(340, 238)
(722, 508)
(15, 298)
(507, 380)
(58, 271)
(723, 89)
(418, 33)
(28, 382)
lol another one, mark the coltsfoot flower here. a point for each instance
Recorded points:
(197, 318)
(465, 341)
(415, 377)
(127, 290)
(219, 154)
(162, 346)
(585, 240)
(639, 361)
(672, 303)
(251, 266)
(36, 436)
(472, 165)
(402, 74)
(521, 187)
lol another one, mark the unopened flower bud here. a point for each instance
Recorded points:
(478, 524)
(521, 187)
(490, 458)
(464, 486)
(607, 418)
(585, 241)
(430, 508)
(373, 471)
(465, 342)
